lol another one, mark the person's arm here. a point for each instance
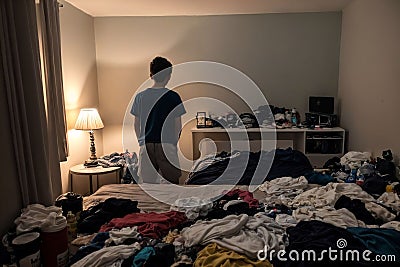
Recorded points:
(178, 126)
(137, 126)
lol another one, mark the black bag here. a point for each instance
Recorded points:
(70, 201)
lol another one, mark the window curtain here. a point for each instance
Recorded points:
(33, 135)
(49, 31)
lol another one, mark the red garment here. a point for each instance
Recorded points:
(246, 196)
(152, 224)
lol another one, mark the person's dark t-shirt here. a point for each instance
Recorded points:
(157, 109)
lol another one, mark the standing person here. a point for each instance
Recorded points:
(157, 115)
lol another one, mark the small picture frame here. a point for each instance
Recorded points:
(201, 119)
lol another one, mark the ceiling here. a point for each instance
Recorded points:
(103, 8)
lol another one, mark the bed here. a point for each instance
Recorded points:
(143, 194)
(291, 214)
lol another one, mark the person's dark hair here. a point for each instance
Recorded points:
(160, 66)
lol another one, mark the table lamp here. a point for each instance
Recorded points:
(89, 120)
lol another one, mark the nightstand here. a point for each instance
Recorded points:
(92, 171)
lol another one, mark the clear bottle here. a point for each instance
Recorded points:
(71, 226)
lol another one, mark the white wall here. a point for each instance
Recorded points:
(80, 85)
(369, 83)
(289, 56)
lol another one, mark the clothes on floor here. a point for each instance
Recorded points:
(151, 224)
(92, 219)
(215, 255)
(164, 257)
(38, 216)
(319, 236)
(391, 200)
(203, 162)
(380, 213)
(97, 243)
(119, 236)
(107, 256)
(374, 185)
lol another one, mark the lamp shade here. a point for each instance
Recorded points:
(88, 119)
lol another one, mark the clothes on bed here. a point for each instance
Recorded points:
(357, 208)
(97, 243)
(395, 225)
(235, 201)
(319, 178)
(241, 233)
(143, 256)
(215, 255)
(341, 218)
(193, 207)
(246, 196)
(91, 220)
(354, 159)
(319, 236)
(285, 163)
(283, 190)
(312, 219)
(379, 241)
(119, 236)
(154, 225)
(374, 185)
(105, 257)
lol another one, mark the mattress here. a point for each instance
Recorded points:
(158, 197)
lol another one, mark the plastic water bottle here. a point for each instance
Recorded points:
(294, 117)
(71, 226)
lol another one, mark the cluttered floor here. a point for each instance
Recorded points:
(349, 215)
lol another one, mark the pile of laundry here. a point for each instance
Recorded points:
(375, 176)
(127, 161)
(239, 167)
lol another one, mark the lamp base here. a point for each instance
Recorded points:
(91, 163)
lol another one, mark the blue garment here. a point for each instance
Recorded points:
(143, 256)
(157, 108)
(319, 178)
(96, 244)
(378, 240)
